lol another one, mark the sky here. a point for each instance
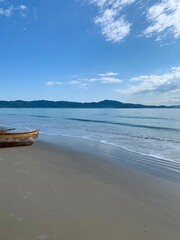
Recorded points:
(90, 50)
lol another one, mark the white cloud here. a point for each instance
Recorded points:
(99, 3)
(92, 79)
(78, 83)
(7, 12)
(112, 3)
(110, 80)
(164, 83)
(161, 18)
(108, 77)
(53, 83)
(105, 80)
(23, 10)
(11, 9)
(22, 7)
(114, 26)
(113, 30)
(108, 74)
(164, 18)
(168, 100)
(74, 82)
(83, 86)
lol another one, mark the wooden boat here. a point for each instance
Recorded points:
(13, 139)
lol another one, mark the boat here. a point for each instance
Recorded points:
(12, 139)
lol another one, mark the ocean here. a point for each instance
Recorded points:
(151, 132)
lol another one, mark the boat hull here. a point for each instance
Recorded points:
(18, 139)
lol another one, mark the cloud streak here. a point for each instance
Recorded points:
(74, 82)
(53, 83)
(105, 80)
(165, 83)
(108, 74)
(101, 78)
(164, 18)
(7, 10)
(23, 10)
(114, 26)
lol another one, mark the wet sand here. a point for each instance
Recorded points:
(49, 193)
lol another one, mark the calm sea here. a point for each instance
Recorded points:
(154, 132)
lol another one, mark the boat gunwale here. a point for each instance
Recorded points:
(4, 133)
(14, 135)
(17, 139)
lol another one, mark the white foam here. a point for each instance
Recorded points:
(156, 156)
(144, 154)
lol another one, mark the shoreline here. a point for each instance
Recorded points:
(53, 192)
(165, 168)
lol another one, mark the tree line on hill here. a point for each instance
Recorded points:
(67, 104)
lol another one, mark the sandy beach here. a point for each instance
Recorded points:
(49, 193)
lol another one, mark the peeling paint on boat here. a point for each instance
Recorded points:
(18, 139)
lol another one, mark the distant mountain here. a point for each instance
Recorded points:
(176, 106)
(66, 104)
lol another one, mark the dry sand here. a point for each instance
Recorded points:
(50, 193)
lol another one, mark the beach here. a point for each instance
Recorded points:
(53, 192)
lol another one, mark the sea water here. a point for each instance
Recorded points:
(152, 132)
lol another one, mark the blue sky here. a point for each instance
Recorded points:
(90, 50)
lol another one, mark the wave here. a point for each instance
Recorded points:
(154, 160)
(159, 160)
(149, 118)
(39, 116)
(122, 135)
(59, 135)
(124, 124)
(155, 138)
(25, 115)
